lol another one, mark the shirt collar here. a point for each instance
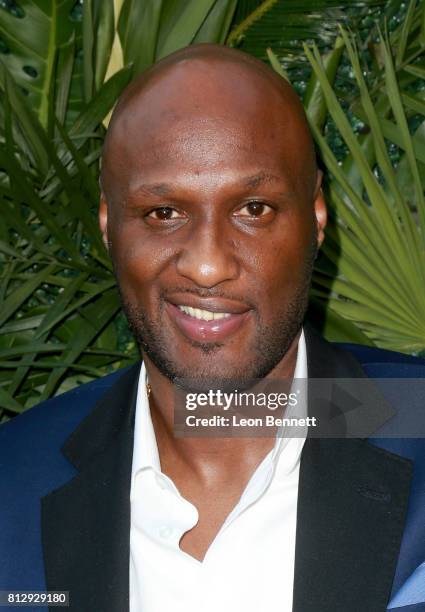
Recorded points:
(300, 410)
(145, 450)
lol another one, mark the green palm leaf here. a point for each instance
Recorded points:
(33, 35)
(151, 30)
(284, 25)
(373, 270)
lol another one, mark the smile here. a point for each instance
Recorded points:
(203, 325)
(203, 315)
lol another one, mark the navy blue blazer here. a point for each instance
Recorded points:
(65, 470)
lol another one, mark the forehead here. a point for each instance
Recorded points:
(202, 116)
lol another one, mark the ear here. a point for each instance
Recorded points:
(320, 210)
(103, 220)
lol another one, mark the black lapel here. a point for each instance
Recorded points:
(352, 504)
(86, 522)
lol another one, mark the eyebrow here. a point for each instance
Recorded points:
(258, 179)
(161, 189)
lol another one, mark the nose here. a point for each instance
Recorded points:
(208, 258)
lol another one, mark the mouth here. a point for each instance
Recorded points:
(209, 321)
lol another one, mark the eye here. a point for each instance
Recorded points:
(254, 209)
(164, 213)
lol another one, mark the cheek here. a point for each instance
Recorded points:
(276, 263)
(138, 259)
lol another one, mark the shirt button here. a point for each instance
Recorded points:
(165, 532)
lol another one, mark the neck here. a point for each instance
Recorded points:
(207, 458)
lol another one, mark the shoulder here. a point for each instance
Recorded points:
(400, 379)
(32, 466)
(48, 425)
(32, 463)
(380, 363)
(344, 360)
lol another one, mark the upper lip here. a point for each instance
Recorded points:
(211, 304)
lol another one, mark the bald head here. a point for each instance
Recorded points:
(217, 93)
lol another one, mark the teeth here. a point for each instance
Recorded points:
(204, 315)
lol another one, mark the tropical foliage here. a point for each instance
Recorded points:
(63, 65)
(373, 269)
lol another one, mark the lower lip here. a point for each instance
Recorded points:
(206, 331)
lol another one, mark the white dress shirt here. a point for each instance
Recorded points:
(249, 566)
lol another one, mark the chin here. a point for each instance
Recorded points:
(200, 383)
(212, 369)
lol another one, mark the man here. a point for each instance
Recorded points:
(212, 212)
